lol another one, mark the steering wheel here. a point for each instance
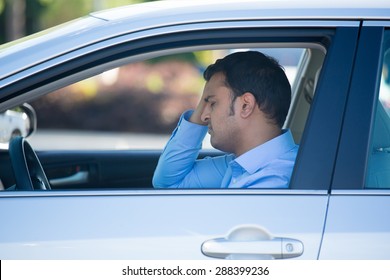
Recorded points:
(28, 171)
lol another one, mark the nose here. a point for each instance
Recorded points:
(205, 116)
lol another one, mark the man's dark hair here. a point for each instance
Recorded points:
(260, 75)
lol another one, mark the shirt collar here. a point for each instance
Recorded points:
(260, 156)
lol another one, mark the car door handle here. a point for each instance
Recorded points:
(77, 178)
(252, 242)
(277, 248)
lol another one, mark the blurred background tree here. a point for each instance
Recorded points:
(23, 17)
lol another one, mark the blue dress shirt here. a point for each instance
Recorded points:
(266, 166)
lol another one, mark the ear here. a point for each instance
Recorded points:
(247, 105)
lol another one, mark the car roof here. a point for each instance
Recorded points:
(98, 26)
(264, 9)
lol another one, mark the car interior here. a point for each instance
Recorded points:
(378, 175)
(76, 169)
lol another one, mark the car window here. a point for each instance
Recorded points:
(135, 106)
(378, 175)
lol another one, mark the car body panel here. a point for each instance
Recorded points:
(151, 225)
(357, 226)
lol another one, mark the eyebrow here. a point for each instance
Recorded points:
(207, 99)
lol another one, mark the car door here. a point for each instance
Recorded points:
(357, 224)
(198, 224)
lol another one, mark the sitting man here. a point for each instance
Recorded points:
(244, 105)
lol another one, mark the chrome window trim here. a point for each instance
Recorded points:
(376, 23)
(365, 192)
(153, 192)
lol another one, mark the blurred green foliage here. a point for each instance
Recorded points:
(23, 17)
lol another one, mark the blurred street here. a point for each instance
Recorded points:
(79, 140)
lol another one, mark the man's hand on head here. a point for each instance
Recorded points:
(196, 116)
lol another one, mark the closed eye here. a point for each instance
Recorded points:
(211, 102)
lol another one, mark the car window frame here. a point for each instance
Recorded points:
(116, 50)
(319, 146)
(358, 124)
(339, 35)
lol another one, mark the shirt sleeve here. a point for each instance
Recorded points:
(178, 166)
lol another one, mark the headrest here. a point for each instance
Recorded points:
(381, 129)
(316, 77)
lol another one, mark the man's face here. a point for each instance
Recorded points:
(218, 114)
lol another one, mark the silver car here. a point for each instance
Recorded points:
(75, 203)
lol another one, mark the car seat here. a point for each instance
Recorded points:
(378, 175)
